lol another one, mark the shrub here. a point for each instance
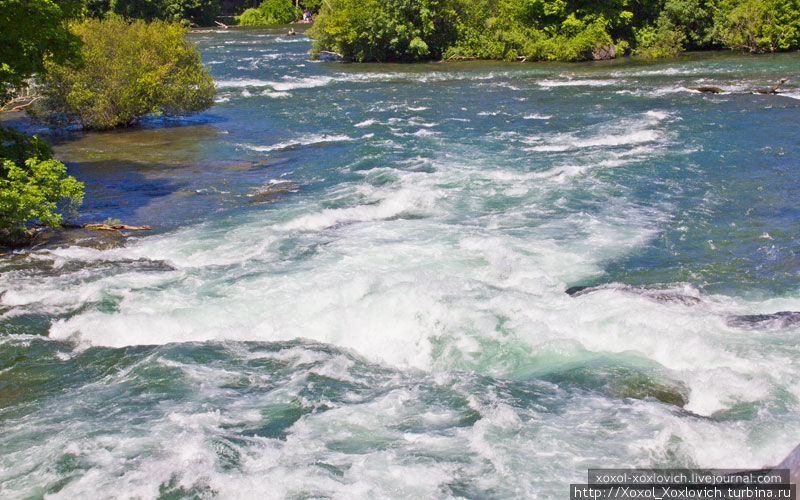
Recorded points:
(270, 12)
(661, 40)
(201, 12)
(130, 70)
(758, 25)
(32, 31)
(390, 30)
(18, 147)
(39, 191)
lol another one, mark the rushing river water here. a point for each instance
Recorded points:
(356, 284)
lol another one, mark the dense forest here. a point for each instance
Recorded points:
(566, 30)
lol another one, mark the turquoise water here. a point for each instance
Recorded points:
(356, 284)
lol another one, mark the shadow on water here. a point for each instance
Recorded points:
(120, 190)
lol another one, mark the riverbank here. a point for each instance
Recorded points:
(394, 322)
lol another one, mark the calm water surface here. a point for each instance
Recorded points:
(356, 285)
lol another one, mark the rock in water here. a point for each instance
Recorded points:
(782, 319)
(604, 52)
(792, 462)
(619, 379)
(655, 294)
(708, 89)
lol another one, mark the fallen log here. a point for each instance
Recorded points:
(114, 227)
(773, 89)
(709, 89)
(331, 53)
(101, 226)
(221, 24)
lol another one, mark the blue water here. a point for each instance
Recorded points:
(355, 287)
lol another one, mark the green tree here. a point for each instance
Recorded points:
(39, 191)
(389, 30)
(130, 70)
(32, 32)
(201, 12)
(758, 25)
(270, 12)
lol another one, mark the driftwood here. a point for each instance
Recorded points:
(331, 53)
(220, 24)
(774, 88)
(456, 57)
(112, 227)
(99, 226)
(707, 89)
(18, 104)
(716, 90)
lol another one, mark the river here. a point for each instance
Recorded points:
(355, 287)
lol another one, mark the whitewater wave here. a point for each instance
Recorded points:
(308, 140)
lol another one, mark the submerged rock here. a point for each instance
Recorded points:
(614, 378)
(273, 190)
(604, 52)
(101, 240)
(673, 296)
(781, 319)
(708, 89)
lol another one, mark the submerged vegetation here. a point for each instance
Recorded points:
(564, 30)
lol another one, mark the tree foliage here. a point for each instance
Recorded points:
(33, 186)
(37, 191)
(200, 12)
(130, 70)
(567, 30)
(270, 12)
(758, 25)
(390, 30)
(31, 32)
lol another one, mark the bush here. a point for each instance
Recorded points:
(270, 12)
(758, 25)
(662, 40)
(201, 12)
(390, 30)
(32, 31)
(18, 147)
(130, 70)
(39, 191)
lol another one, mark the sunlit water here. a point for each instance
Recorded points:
(356, 284)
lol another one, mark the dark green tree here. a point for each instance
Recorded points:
(31, 32)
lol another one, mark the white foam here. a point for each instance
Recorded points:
(578, 82)
(300, 141)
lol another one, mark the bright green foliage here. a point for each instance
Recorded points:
(403, 30)
(39, 191)
(270, 12)
(130, 70)
(758, 25)
(32, 31)
(565, 30)
(389, 30)
(692, 18)
(661, 40)
(18, 147)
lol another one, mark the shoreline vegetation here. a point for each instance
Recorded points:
(541, 30)
(98, 74)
